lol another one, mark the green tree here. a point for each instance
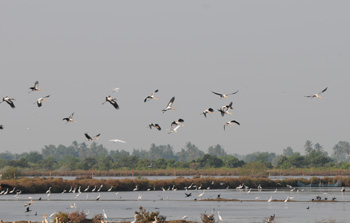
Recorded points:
(341, 151)
(11, 173)
(217, 150)
(308, 146)
(288, 151)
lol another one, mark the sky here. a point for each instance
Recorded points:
(273, 52)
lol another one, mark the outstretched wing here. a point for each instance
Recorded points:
(323, 90)
(171, 102)
(217, 93)
(87, 136)
(233, 93)
(234, 121)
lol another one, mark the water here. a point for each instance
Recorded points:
(253, 206)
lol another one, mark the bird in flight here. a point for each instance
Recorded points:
(112, 101)
(39, 102)
(35, 87)
(178, 122)
(168, 107)
(231, 123)
(224, 95)
(117, 140)
(92, 138)
(225, 110)
(155, 126)
(151, 96)
(317, 95)
(8, 101)
(69, 119)
(209, 110)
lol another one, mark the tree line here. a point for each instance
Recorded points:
(96, 156)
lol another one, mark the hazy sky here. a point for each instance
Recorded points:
(273, 52)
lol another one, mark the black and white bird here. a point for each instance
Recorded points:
(112, 101)
(231, 123)
(209, 110)
(35, 87)
(69, 119)
(151, 96)
(224, 95)
(169, 106)
(9, 101)
(92, 138)
(39, 102)
(155, 126)
(317, 95)
(225, 110)
(180, 121)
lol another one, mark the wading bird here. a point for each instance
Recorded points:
(317, 95)
(209, 110)
(8, 101)
(224, 95)
(112, 101)
(39, 102)
(117, 140)
(69, 119)
(220, 218)
(155, 126)
(35, 87)
(92, 138)
(151, 96)
(168, 107)
(231, 123)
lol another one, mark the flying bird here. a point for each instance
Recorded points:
(317, 95)
(174, 129)
(151, 96)
(168, 107)
(209, 110)
(117, 140)
(35, 87)
(69, 119)
(92, 138)
(116, 89)
(178, 122)
(112, 101)
(224, 95)
(8, 101)
(231, 123)
(39, 102)
(155, 126)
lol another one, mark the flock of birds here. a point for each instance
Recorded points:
(175, 125)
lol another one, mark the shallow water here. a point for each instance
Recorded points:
(252, 207)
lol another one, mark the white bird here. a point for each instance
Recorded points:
(275, 191)
(110, 189)
(317, 95)
(104, 214)
(49, 190)
(116, 89)
(139, 197)
(231, 123)
(51, 215)
(112, 101)
(169, 106)
(136, 188)
(250, 189)
(9, 101)
(99, 189)
(219, 216)
(98, 197)
(39, 102)
(93, 190)
(151, 96)
(269, 200)
(224, 95)
(135, 218)
(201, 194)
(184, 217)
(87, 188)
(286, 200)
(35, 87)
(117, 140)
(73, 205)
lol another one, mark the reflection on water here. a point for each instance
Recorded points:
(252, 207)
